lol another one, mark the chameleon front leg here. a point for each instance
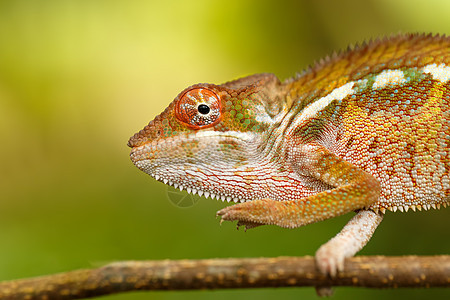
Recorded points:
(354, 189)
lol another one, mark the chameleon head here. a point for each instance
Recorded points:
(209, 134)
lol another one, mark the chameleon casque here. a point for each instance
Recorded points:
(366, 130)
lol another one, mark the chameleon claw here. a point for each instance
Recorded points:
(324, 291)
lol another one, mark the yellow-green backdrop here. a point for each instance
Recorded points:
(77, 78)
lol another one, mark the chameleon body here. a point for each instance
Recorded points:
(366, 130)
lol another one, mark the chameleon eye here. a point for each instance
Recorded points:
(198, 108)
(203, 109)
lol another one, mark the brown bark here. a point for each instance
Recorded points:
(372, 272)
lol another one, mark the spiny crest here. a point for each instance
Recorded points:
(414, 208)
(364, 47)
(396, 52)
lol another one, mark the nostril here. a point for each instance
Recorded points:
(135, 140)
(142, 136)
(130, 142)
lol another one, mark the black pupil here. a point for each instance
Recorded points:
(203, 109)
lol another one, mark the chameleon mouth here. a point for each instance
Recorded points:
(156, 159)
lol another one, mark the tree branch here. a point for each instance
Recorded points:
(372, 272)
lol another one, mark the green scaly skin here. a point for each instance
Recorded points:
(366, 130)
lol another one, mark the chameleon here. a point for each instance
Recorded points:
(364, 130)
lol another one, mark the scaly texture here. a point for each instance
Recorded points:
(366, 130)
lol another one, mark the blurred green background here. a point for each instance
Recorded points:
(78, 78)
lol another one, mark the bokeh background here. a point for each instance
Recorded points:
(78, 78)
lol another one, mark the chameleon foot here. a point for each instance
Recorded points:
(330, 260)
(248, 214)
(353, 237)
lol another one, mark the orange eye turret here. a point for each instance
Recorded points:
(198, 108)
